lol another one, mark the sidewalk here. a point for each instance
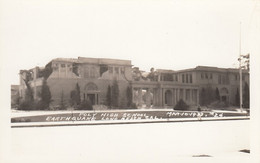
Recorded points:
(111, 122)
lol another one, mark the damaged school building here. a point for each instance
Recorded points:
(155, 89)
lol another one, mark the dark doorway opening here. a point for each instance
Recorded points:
(168, 98)
(224, 98)
(91, 98)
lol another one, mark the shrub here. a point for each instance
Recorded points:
(27, 105)
(42, 105)
(46, 94)
(133, 106)
(129, 96)
(33, 105)
(115, 94)
(109, 96)
(181, 105)
(85, 105)
(218, 104)
(75, 96)
(246, 96)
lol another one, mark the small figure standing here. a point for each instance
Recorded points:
(199, 113)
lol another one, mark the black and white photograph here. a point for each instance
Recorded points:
(130, 81)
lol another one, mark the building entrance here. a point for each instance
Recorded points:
(91, 93)
(168, 98)
(91, 98)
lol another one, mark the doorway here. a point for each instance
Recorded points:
(168, 98)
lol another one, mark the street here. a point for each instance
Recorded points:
(156, 142)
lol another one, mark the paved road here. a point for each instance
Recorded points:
(162, 142)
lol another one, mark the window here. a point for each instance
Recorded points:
(92, 72)
(122, 70)
(187, 95)
(117, 70)
(202, 76)
(210, 76)
(190, 78)
(219, 79)
(223, 80)
(183, 78)
(187, 78)
(62, 65)
(110, 70)
(174, 77)
(206, 76)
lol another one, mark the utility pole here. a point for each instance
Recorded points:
(240, 71)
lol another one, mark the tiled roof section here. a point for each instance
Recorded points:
(217, 69)
(95, 61)
(202, 68)
(66, 60)
(104, 61)
(165, 71)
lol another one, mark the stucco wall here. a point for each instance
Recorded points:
(67, 85)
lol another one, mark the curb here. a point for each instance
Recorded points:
(80, 123)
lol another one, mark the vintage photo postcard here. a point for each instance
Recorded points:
(129, 81)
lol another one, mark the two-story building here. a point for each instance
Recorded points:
(93, 75)
(159, 88)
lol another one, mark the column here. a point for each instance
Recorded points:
(197, 102)
(133, 95)
(174, 96)
(163, 97)
(178, 90)
(160, 97)
(184, 95)
(59, 70)
(139, 99)
(66, 72)
(96, 98)
(191, 96)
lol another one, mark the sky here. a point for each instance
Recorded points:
(163, 34)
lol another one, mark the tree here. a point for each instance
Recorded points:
(217, 94)
(129, 95)
(152, 75)
(109, 96)
(115, 94)
(207, 95)
(26, 78)
(62, 105)
(29, 94)
(78, 100)
(246, 61)
(45, 95)
(75, 96)
(246, 95)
